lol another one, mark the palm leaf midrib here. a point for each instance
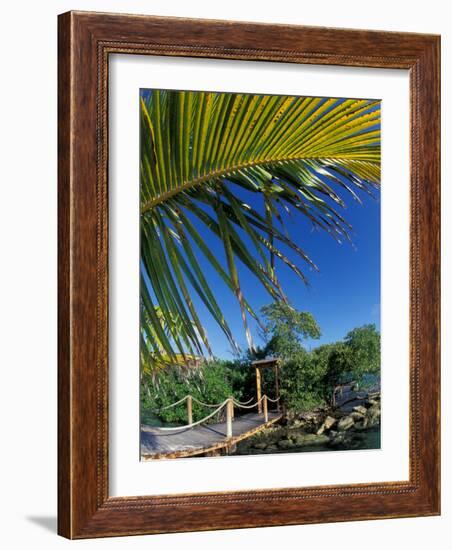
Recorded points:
(225, 171)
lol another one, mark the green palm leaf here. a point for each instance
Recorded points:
(201, 152)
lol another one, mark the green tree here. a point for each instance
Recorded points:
(333, 362)
(285, 328)
(364, 345)
(351, 359)
(301, 382)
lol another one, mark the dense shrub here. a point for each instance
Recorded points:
(212, 382)
(301, 382)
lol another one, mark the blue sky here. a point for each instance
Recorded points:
(344, 294)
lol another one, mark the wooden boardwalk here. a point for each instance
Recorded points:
(156, 443)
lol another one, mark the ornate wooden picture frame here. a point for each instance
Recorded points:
(86, 41)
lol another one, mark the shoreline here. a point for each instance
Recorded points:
(351, 427)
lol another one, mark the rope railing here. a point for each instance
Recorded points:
(273, 400)
(196, 400)
(229, 403)
(240, 406)
(262, 404)
(204, 404)
(244, 402)
(193, 424)
(174, 404)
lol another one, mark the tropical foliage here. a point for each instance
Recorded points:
(354, 358)
(210, 383)
(201, 154)
(284, 329)
(307, 379)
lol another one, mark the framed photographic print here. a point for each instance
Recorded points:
(248, 275)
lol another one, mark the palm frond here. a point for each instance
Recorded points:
(201, 154)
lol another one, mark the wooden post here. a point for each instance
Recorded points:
(258, 389)
(189, 410)
(277, 386)
(229, 413)
(265, 408)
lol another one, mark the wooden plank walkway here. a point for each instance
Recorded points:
(156, 443)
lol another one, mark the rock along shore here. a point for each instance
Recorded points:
(343, 428)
